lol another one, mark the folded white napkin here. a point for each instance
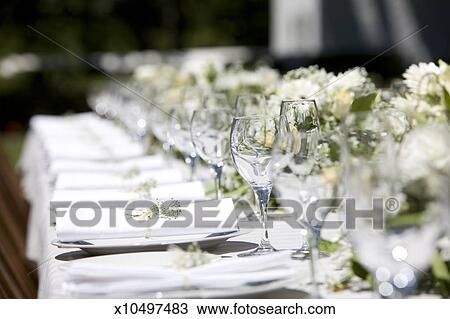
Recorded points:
(86, 277)
(90, 149)
(139, 163)
(126, 180)
(201, 217)
(84, 136)
(180, 191)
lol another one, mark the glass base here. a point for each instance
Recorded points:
(260, 251)
(304, 253)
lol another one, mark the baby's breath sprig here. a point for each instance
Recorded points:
(144, 189)
(131, 173)
(164, 209)
(192, 257)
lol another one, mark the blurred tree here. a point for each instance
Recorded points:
(87, 26)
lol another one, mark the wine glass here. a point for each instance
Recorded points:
(404, 198)
(398, 248)
(216, 101)
(310, 161)
(135, 117)
(252, 139)
(301, 119)
(210, 132)
(180, 131)
(105, 101)
(250, 104)
(160, 124)
(192, 97)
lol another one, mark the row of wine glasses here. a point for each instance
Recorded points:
(358, 160)
(199, 126)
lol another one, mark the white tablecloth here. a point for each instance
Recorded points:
(37, 183)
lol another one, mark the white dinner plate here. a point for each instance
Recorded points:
(131, 245)
(166, 259)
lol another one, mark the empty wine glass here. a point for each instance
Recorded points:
(398, 248)
(180, 131)
(301, 119)
(309, 165)
(160, 124)
(250, 104)
(252, 139)
(400, 199)
(105, 101)
(135, 116)
(210, 131)
(192, 97)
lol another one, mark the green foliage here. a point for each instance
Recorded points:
(364, 103)
(446, 102)
(328, 247)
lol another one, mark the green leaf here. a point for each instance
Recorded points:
(405, 220)
(359, 269)
(364, 103)
(328, 247)
(439, 268)
(446, 101)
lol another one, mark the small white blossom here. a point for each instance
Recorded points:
(422, 78)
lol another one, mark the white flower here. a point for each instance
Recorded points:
(233, 80)
(425, 148)
(419, 110)
(405, 104)
(297, 89)
(145, 73)
(350, 79)
(342, 103)
(396, 121)
(158, 76)
(201, 68)
(444, 76)
(422, 78)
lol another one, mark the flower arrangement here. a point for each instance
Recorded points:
(426, 98)
(416, 115)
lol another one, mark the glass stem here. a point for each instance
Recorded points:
(167, 147)
(314, 257)
(263, 195)
(218, 172)
(191, 161)
(146, 143)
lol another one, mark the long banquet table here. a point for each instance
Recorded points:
(99, 139)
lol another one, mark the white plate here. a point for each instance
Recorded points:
(166, 259)
(130, 245)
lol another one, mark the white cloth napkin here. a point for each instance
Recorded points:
(180, 191)
(93, 180)
(69, 228)
(140, 163)
(84, 277)
(83, 136)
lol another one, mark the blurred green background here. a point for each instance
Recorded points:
(88, 27)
